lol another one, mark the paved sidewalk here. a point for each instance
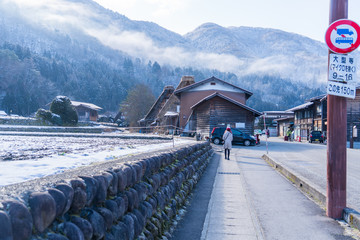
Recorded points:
(230, 214)
(250, 200)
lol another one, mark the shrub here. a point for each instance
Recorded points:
(48, 117)
(43, 115)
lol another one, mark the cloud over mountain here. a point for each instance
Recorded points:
(242, 50)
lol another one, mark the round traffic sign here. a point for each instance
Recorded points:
(343, 36)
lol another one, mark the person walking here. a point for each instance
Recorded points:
(227, 137)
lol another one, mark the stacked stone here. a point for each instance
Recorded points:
(136, 200)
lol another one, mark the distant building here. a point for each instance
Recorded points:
(308, 117)
(284, 125)
(3, 113)
(271, 121)
(86, 111)
(312, 115)
(199, 107)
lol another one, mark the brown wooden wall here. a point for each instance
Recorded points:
(92, 114)
(188, 99)
(216, 111)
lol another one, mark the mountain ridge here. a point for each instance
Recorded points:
(77, 34)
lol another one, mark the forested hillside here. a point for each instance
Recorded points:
(29, 81)
(79, 49)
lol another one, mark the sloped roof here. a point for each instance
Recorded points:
(284, 118)
(302, 106)
(87, 105)
(287, 112)
(216, 94)
(178, 91)
(317, 98)
(164, 96)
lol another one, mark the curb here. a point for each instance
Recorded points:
(350, 216)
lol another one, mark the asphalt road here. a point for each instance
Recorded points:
(309, 161)
(282, 211)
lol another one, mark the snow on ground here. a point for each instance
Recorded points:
(23, 158)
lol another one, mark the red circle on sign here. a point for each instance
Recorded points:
(342, 38)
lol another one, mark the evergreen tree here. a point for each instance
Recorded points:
(61, 106)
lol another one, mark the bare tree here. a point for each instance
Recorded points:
(137, 104)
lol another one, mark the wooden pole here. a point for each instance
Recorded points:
(336, 147)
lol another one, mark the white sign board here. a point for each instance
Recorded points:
(240, 125)
(342, 68)
(341, 89)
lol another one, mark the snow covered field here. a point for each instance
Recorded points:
(23, 158)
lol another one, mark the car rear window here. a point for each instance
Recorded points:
(316, 133)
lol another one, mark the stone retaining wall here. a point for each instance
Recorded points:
(135, 200)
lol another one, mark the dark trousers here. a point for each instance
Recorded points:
(227, 153)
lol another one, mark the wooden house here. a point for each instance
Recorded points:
(86, 111)
(284, 124)
(353, 115)
(303, 120)
(312, 115)
(198, 107)
(219, 110)
(352, 112)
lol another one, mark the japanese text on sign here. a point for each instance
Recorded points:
(341, 89)
(342, 68)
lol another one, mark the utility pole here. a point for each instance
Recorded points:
(336, 147)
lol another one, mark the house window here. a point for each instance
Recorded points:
(212, 83)
(318, 109)
(178, 108)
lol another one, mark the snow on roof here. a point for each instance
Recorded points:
(276, 112)
(284, 118)
(87, 105)
(248, 93)
(302, 106)
(2, 113)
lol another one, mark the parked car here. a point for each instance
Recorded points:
(238, 136)
(316, 136)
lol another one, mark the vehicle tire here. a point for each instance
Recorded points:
(216, 141)
(247, 143)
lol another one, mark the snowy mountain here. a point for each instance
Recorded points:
(266, 51)
(79, 31)
(79, 23)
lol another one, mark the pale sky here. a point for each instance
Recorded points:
(306, 17)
